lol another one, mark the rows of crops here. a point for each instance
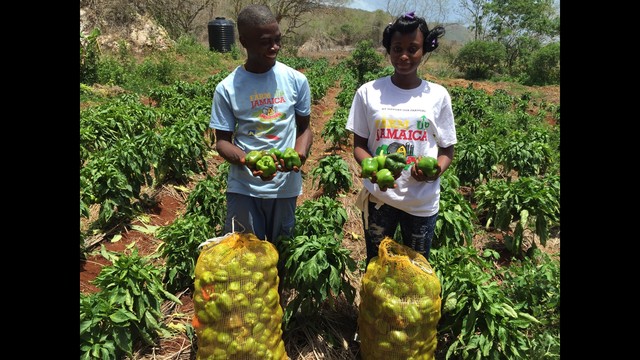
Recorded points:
(507, 159)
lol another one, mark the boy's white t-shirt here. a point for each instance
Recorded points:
(261, 109)
(414, 122)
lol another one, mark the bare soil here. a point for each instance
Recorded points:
(171, 203)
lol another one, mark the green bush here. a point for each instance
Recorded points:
(332, 175)
(89, 57)
(112, 72)
(208, 198)
(364, 59)
(544, 66)
(160, 70)
(180, 249)
(334, 131)
(455, 217)
(479, 320)
(480, 59)
(128, 309)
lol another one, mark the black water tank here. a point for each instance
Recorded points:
(221, 34)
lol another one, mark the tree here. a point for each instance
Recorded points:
(289, 10)
(544, 66)
(434, 11)
(514, 20)
(522, 26)
(364, 59)
(476, 12)
(178, 16)
(479, 59)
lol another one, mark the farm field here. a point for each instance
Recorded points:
(171, 203)
(168, 202)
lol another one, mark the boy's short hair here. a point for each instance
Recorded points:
(254, 15)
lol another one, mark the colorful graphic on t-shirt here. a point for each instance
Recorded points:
(405, 149)
(388, 128)
(266, 113)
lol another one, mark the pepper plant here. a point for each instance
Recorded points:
(315, 264)
(530, 157)
(334, 130)
(106, 185)
(349, 85)
(534, 285)
(180, 248)
(530, 202)
(456, 218)
(317, 268)
(127, 310)
(478, 320)
(323, 215)
(182, 151)
(208, 198)
(332, 175)
(476, 158)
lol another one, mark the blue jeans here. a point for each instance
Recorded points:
(266, 218)
(417, 231)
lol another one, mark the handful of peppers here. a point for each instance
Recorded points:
(383, 169)
(265, 163)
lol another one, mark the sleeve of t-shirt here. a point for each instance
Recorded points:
(357, 122)
(303, 105)
(445, 125)
(222, 117)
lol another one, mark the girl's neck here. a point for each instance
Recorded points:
(406, 82)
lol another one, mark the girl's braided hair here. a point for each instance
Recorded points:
(408, 23)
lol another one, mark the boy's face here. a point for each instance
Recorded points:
(262, 44)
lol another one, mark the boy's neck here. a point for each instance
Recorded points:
(257, 68)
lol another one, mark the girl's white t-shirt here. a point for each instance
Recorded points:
(414, 122)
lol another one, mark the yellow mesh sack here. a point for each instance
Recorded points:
(237, 312)
(399, 306)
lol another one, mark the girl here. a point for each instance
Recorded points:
(403, 113)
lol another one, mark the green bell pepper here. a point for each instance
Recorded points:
(276, 152)
(267, 166)
(385, 178)
(395, 162)
(428, 165)
(369, 166)
(381, 158)
(252, 158)
(291, 158)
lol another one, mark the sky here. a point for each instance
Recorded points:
(369, 5)
(373, 5)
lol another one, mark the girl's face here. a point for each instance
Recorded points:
(405, 52)
(262, 44)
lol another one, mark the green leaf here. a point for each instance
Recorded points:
(146, 229)
(123, 339)
(529, 317)
(85, 325)
(509, 310)
(121, 316)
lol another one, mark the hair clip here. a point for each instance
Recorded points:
(410, 15)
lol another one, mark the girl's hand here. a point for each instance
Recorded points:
(420, 176)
